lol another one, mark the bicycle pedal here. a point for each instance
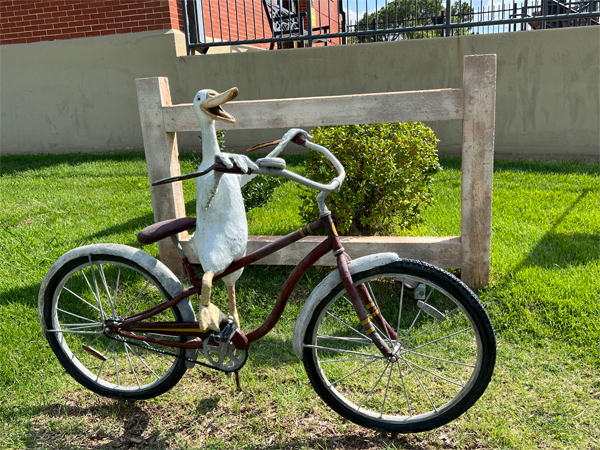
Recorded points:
(228, 328)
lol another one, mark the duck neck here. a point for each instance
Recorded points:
(210, 145)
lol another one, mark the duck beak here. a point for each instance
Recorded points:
(212, 105)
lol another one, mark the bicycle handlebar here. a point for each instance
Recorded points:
(333, 185)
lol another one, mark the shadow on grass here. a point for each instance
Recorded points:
(127, 425)
(557, 249)
(67, 426)
(563, 167)
(356, 441)
(13, 164)
(136, 224)
(519, 165)
(563, 250)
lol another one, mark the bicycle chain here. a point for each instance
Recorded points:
(163, 352)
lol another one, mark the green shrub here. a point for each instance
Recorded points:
(389, 169)
(259, 190)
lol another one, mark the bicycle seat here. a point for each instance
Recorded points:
(164, 229)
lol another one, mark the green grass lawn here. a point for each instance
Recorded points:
(544, 300)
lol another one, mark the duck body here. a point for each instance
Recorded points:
(221, 232)
(221, 226)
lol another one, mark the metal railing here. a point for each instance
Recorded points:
(293, 23)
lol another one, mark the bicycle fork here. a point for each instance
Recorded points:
(360, 298)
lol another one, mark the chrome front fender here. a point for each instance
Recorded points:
(325, 287)
(168, 280)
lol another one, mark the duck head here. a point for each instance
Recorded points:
(207, 105)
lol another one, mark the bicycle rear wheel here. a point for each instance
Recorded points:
(445, 349)
(82, 296)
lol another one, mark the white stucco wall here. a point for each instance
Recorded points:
(79, 95)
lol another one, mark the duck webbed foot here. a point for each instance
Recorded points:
(209, 316)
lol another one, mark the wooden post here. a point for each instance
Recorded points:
(479, 85)
(162, 160)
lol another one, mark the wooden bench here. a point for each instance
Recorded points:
(474, 104)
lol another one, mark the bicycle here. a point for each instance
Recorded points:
(388, 343)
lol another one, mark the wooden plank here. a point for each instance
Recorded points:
(479, 85)
(410, 106)
(440, 251)
(162, 160)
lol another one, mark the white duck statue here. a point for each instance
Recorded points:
(221, 226)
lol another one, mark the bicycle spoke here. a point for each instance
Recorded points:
(344, 360)
(131, 365)
(439, 359)
(374, 386)
(437, 322)
(97, 292)
(432, 373)
(352, 328)
(110, 301)
(84, 301)
(136, 298)
(115, 357)
(352, 373)
(79, 317)
(100, 370)
(117, 283)
(77, 326)
(404, 389)
(400, 310)
(386, 392)
(346, 339)
(343, 351)
(74, 332)
(420, 383)
(144, 363)
(415, 319)
(434, 341)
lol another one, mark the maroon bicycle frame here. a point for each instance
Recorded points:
(359, 297)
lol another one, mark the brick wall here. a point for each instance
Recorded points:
(28, 21)
(326, 13)
(231, 20)
(234, 20)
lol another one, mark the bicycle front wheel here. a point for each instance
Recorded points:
(445, 350)
(86, 293)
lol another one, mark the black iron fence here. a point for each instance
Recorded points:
(273, 24)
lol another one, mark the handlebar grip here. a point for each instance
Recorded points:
(299, 140)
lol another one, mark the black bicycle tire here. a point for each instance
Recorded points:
(455, 287)
(165, 385)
